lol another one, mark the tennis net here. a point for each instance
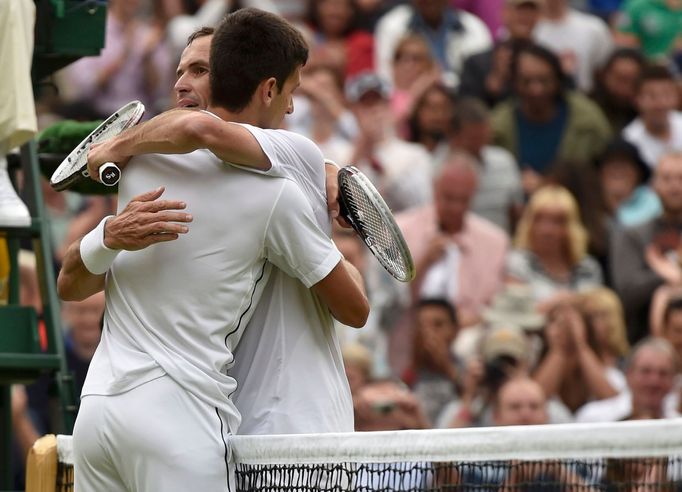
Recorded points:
(636, 456)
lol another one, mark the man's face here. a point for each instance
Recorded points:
(655, 99)
(192, 89)
(536, 83)
(521, 403)
(475, 136)
(668, 183)
(453, 193)
(619, 178)
(434, 323)
(282, 102)
(435, 113)
(520, 20)
(650, 379)
(620, 80)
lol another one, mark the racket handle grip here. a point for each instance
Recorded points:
(109, 174)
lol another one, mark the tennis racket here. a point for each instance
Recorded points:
(366, 211)
(75, 166)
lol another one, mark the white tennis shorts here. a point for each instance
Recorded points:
(156, 437)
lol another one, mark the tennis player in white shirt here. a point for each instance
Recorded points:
(156, 411)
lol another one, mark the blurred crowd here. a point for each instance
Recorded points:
(531, 151)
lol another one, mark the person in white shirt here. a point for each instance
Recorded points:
(582, 41)
(658, 128)
(156, 410)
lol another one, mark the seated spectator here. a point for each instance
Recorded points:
(387, 405)
(134, 64)
(414, 70)
(458, 255)
(603, 313)
(615, 87)
(653, 26)
(582, 41)
(650, 370)
(400, 170)
(550, 252)
(433, 374)
(644, 258)
(487, 75)
(571, 368)
(545, 123)
(499, 195)
(336, 38)
(624, 184)
(428, 123)
(453, 35)
(658, 128)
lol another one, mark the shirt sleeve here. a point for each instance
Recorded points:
(295, 243)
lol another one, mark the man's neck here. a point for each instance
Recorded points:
(458, 143)
(660, 130)
(539, 114)
(555, 10)
(245, 116)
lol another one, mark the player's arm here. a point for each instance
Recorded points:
(344, 294)
(144, 221)
(180, 131)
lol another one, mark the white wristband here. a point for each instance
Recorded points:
(96, 257)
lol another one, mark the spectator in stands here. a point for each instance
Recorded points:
(520, 401)
(414, 71)
(387, 405)
(546, 122)
(499, 195)
(652, 25)
(603, 313)
(550, 251)
(322, 114)
(458, 255)
(615, 87)
(400, 170)
(452, 34)
(336, 38)
(624, 184)
(430, 118)
(571, 368)
(658, 128)
(642, 257)
(134, 64)
(582, 41)
(650, 371)
(433, 374)
(672, 324)
(487, 75)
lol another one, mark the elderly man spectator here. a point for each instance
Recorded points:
(546, 122)
(452, 34)
(458, 255)
(499, 195)
(487, 75)
(658, 128)
(643, 258)
(650, 372)
(582, 41)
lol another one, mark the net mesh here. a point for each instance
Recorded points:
(641, 456)
(373, 219)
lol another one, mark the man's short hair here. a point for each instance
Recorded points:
(200, 33)
(654, 72)
(250, 46)
(441, 303)
(468, 110)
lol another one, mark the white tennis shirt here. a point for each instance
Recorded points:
(288, 363)
(180, 307)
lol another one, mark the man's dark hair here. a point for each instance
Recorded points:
(468, 111)
(250, 46)
(200, 33)
(654, 72)
(444, 304)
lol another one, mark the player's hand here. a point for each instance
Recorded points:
(332, 185)
(101, 153)
(146, 220)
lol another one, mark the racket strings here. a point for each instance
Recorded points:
(378, 237)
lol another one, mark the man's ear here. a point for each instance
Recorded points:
(268, 90)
